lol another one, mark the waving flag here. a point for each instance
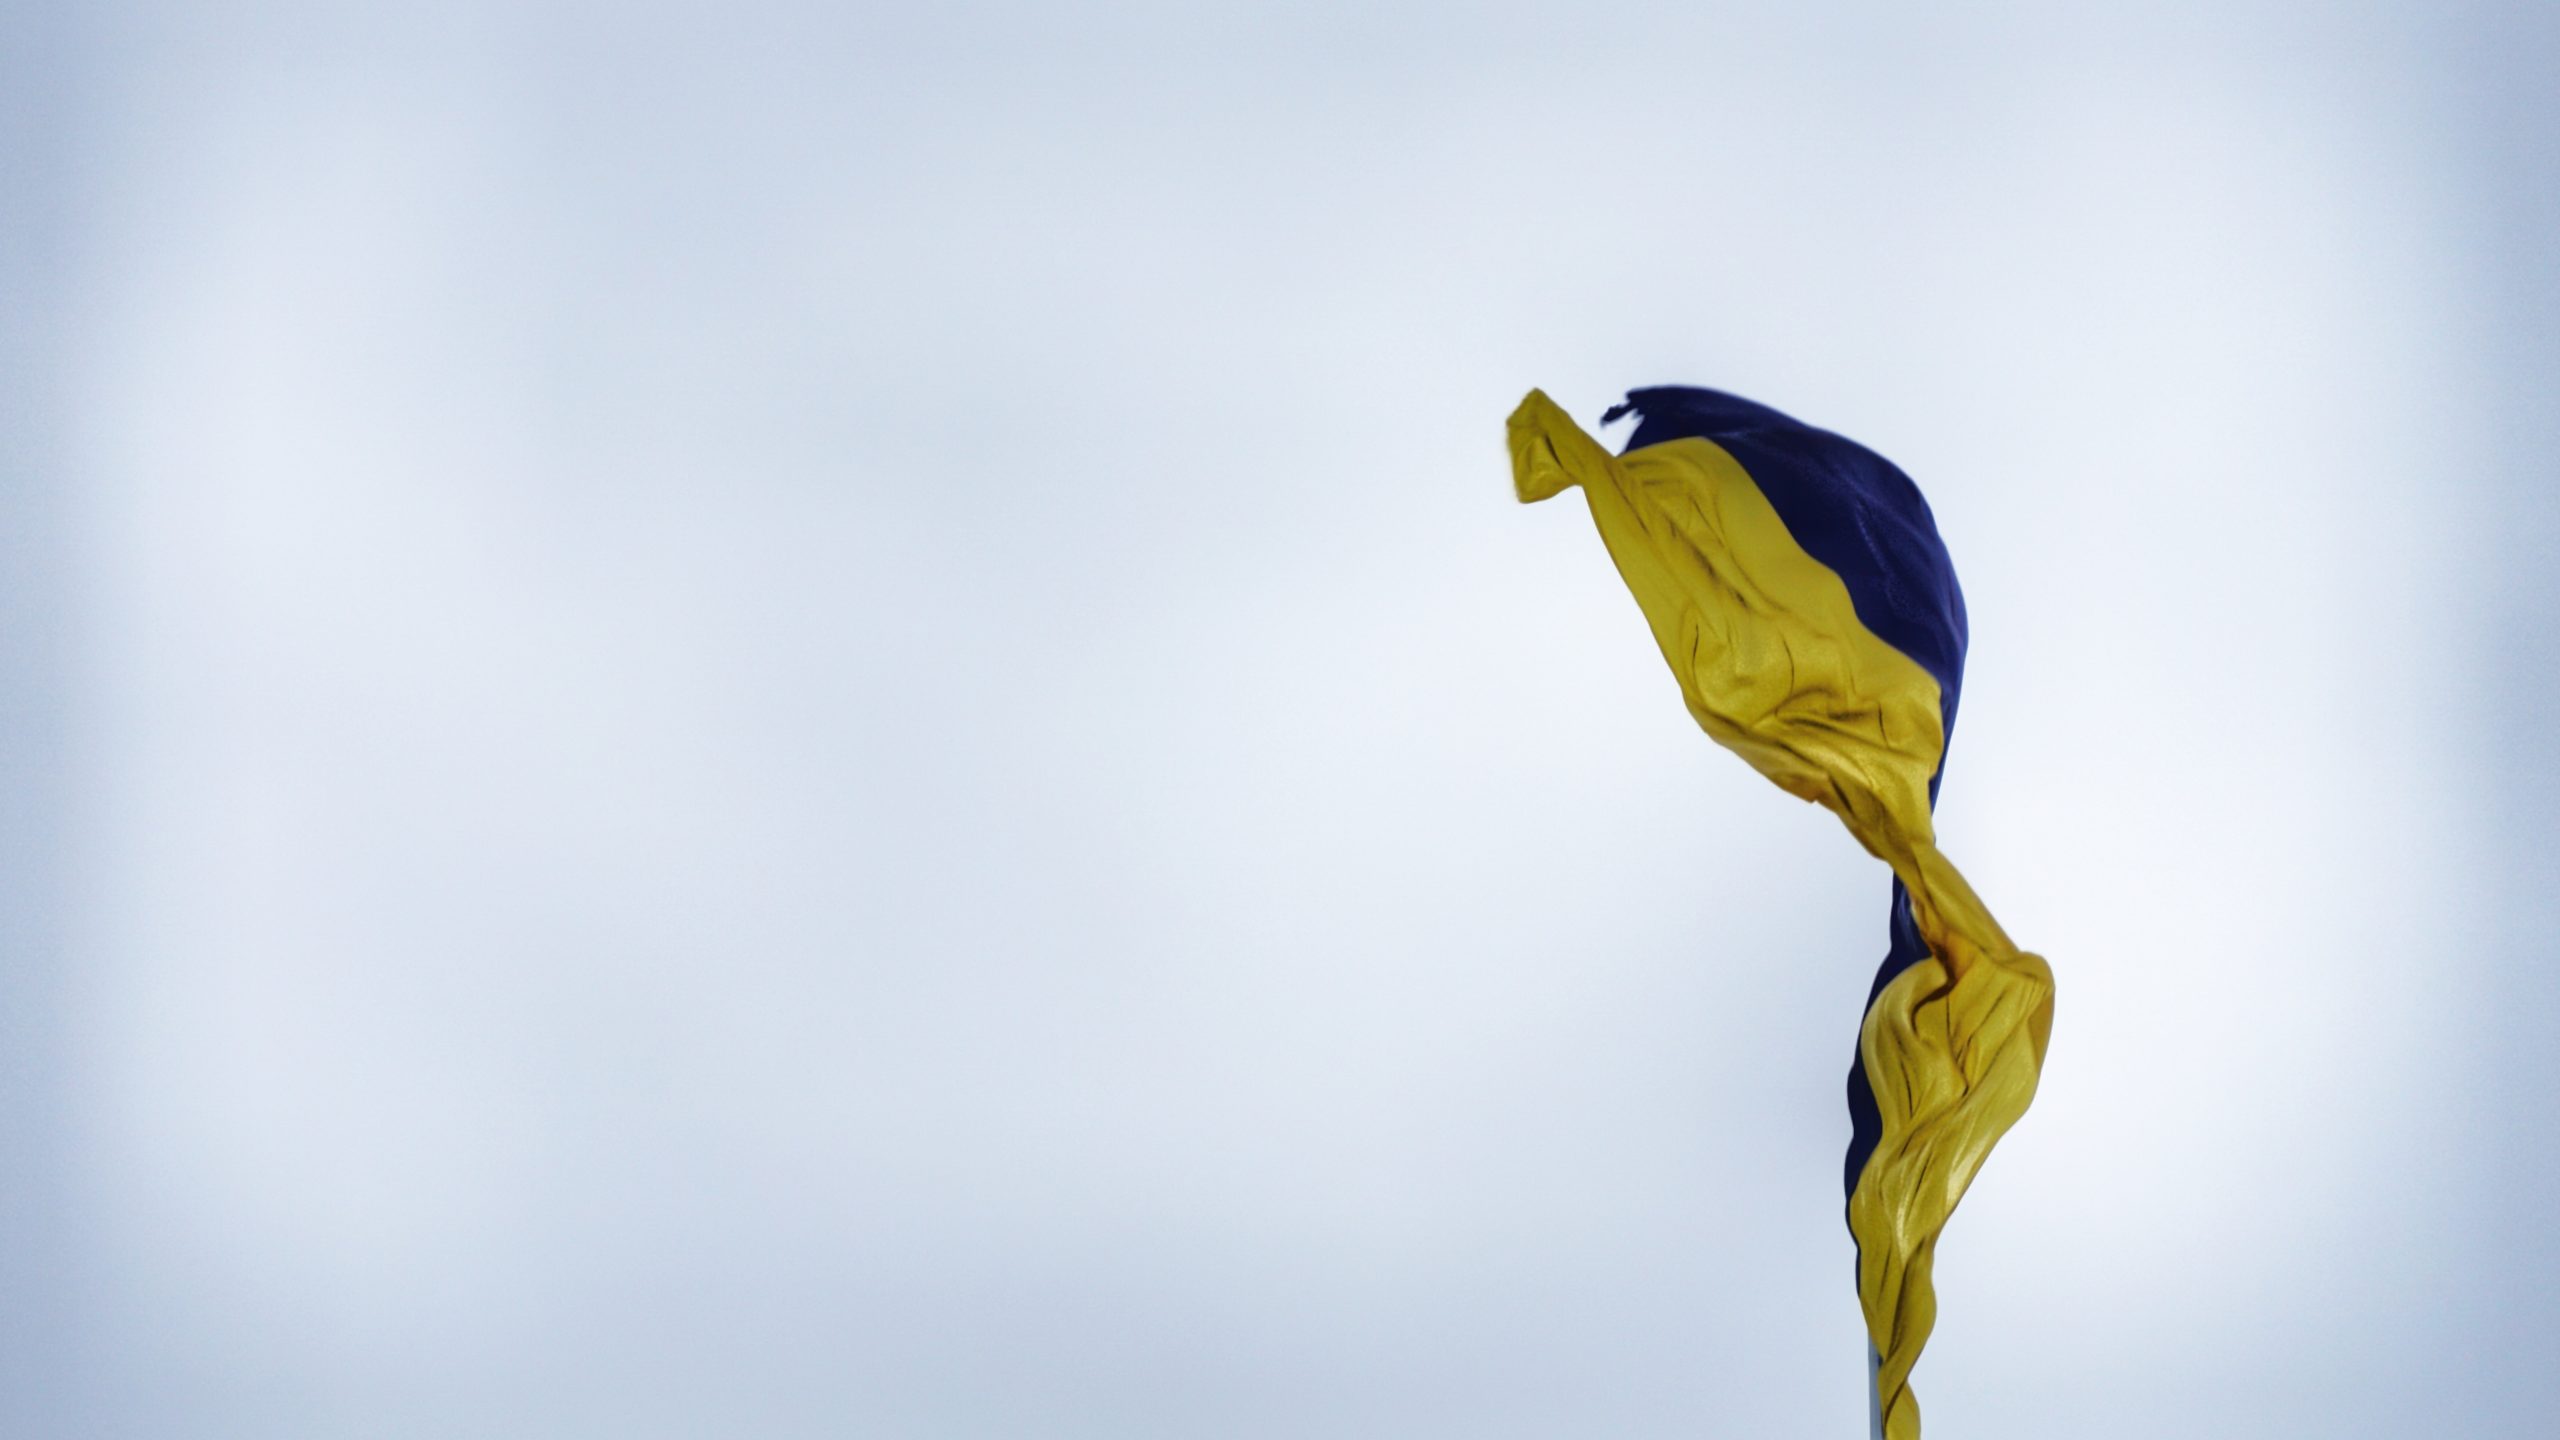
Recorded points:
(1796, 583)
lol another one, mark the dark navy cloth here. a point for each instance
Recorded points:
(1849, 507)
(1858, 514)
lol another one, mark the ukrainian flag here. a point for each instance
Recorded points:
(1796, 583)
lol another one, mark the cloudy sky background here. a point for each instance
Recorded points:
(805, 721)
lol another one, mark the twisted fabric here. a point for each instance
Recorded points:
(1778, 664)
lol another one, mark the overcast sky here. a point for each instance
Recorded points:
(797, 720)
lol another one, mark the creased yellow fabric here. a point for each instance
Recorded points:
(1776, 666)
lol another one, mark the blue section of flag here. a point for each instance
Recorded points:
(1858, 514)
(1850, 508)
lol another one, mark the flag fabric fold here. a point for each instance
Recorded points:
(1796, 584)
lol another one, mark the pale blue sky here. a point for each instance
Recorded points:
(811, 721)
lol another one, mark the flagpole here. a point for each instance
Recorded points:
(1875, 1401)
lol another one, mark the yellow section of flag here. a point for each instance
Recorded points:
(1777, 667)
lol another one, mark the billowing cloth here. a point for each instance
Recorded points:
(1796, 583)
